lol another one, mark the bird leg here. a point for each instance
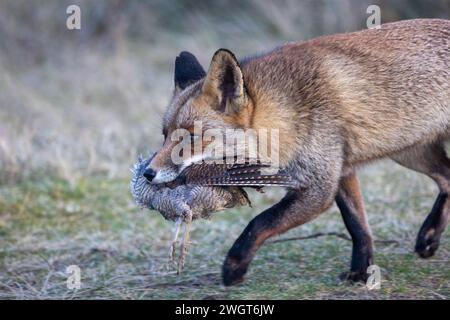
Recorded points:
(185, 244)
(175, 239)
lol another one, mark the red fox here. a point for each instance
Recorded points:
(338, 102)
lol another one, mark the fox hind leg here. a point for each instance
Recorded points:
(431, 160)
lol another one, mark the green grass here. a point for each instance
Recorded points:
(82, 104)
(47, 224)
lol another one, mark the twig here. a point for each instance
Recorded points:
(323, 234)
(312, 236)
(396, 242)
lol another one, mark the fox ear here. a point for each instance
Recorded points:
(187, 70)
(224, 82)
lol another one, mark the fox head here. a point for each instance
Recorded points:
(216, 100)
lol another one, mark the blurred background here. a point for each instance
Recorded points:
(84, 102)
(78, 106)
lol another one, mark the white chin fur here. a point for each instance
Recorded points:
(164, 176)
(190, 161)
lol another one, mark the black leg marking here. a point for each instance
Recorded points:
(430, 233)
(362, 252)
(258, 230)
(431, 160)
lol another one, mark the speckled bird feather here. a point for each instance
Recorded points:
(244, 175)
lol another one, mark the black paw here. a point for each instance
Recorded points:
(233, 272)
(427, 244)
(354, 276)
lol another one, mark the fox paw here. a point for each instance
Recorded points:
(233, 272)
(427, 244)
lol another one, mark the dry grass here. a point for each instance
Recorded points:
(77, 107)
(123, 253)
(76, 103)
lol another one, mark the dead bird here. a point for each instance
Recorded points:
(179, 200)
(183, 201)
(200, 190)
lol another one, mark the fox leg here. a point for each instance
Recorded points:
(278, 219)
(296, 208)
(351, 205)
(432, 161)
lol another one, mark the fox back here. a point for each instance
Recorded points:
(370, 93)
(337, 102)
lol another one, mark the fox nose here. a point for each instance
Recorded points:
(149, 174)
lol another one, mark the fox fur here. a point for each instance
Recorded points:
(339, 102)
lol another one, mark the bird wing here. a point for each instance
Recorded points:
(243, 175)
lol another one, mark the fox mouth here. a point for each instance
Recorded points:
(175, 202)
(164, 176)
(172, 184)
(230, 174)
(174, 174)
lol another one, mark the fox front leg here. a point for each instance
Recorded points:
(296, 208)
(350, 203)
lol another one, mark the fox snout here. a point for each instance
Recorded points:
(162, 175)
(149, 174)
(161, 169)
